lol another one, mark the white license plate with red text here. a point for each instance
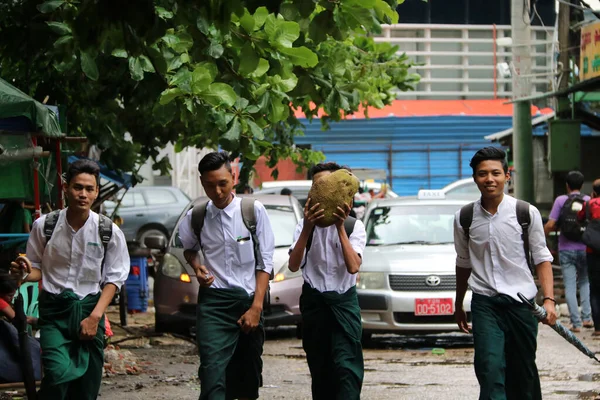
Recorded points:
(434, 306)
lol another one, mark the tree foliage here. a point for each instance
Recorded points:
(201, 73)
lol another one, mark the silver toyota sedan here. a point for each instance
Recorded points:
(407, 281)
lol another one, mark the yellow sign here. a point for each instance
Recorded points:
(590, 51)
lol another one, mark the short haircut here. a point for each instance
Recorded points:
(575, 180)
(8, 283)
(286, 192)
(328, 166)
(596, 189)
(489, 153)
(213, 161)
(83, 167)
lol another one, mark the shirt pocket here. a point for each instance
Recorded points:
(91, 264)
(245, 251)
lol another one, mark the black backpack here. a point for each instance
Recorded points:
(104, 230)
(523, 217)
(567, 222)
(591, 233)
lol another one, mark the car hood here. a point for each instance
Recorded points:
(409, 258)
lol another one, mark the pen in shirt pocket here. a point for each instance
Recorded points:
(242, 240)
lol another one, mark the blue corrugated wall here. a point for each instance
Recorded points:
(421, 152)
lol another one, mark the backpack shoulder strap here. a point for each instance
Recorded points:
(198, 214)
(249, 218)
(588, 211)
(466, 218)
(50, 223)
(349, 225)
(524, 219)
(105, 230)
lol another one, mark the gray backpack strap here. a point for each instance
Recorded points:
(105, 231)
(249, 218)
(524, 219)
(466, 218)
(198, 214)
(50, 223)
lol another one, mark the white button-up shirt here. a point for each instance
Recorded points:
(227, 245)
(72, 260)
(325, 268)
(495, 250)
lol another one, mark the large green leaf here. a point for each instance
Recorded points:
(247, 22)
(215, 50)
(163, 13)
(383, 10)
(119, 53)
(49, 6)
(257, 132)
(301, 56)
(260, 16)
(219, 94)
(170, 94)
(230, 139)
(59, 27)
(88, 66)
(248, 59)
(182, 79)
(185, 42)
(201, 78)
(135, 69)
(261, 69)
(146, 64)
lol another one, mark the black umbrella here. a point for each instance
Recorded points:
(541, 314)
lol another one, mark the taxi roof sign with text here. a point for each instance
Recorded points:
(431, 195)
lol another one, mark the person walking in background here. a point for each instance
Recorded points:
(590, 215)
(571, 250)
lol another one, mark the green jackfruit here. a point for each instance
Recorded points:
(332, 191)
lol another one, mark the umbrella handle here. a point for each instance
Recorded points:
(526, 301)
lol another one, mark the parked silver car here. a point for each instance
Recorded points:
(175, 285)
(407, 281)
(149, 211)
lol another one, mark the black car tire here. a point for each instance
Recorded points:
(142, 234)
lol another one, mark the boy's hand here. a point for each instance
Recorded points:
(21, 266)
(342, 214)
(312, 214)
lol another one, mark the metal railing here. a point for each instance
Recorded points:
(459, 61)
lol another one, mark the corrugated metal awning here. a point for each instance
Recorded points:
(507, 132)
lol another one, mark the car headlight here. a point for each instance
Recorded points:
(172, 268)
(370, 280)
(285, 273)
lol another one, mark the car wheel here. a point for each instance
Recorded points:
(142, 235)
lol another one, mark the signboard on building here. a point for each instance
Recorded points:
(590, 51)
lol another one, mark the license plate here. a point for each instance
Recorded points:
(434, 306)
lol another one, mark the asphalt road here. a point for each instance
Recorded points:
(396, 367)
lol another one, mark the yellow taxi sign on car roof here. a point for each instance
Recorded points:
(431, 195)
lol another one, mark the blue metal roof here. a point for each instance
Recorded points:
(426, 152)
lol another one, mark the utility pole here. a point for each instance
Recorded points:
(521, 87)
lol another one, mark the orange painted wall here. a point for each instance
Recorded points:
(287, 171)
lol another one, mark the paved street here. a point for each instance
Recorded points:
(396, 368)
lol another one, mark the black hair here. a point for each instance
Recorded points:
(286, 192)
(361, 190)
(83, 167)
(328, 166)
(596, 189)
(8, 283)
(575, 180)
(213, 161)
(489, 153)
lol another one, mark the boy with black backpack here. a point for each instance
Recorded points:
(81, 270)
(493, 257)
(571, 250)
(330, 258)
(234, 277)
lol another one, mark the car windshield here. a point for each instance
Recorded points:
(411, 224)
(283, 221)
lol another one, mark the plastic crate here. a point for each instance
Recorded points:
(137, 285)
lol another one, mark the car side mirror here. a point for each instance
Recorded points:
(155, 242)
